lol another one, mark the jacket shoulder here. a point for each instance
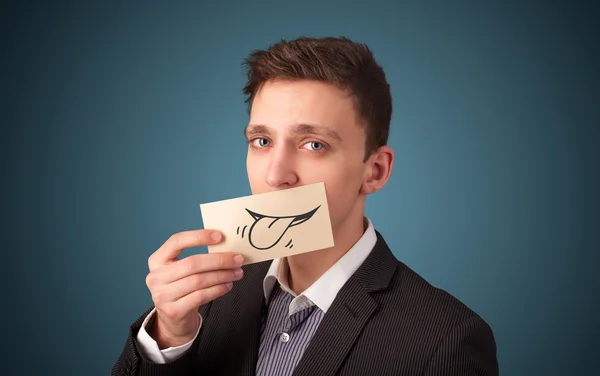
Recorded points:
(410, 290)
(414, 314)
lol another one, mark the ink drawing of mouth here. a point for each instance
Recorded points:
(266, 230)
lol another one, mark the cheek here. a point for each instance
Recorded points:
(254, 168)
(342, 187)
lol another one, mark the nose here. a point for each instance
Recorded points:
(281, 172)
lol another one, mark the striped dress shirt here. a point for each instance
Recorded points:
(285, 333)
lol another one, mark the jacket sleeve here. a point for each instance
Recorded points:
(133, 362)
(468, 349)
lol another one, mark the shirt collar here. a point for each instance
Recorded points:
(324, 290)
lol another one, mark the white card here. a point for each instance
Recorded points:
(271, 225)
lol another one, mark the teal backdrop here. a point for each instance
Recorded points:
(119, 118)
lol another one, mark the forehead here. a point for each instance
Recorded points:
(286, 103)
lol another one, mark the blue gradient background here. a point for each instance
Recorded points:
(119, 119)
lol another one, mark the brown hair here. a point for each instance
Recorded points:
(348, 65)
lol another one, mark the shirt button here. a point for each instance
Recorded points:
(284, 337)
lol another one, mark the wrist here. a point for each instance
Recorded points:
(166, 337)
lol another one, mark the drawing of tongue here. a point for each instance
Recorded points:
(267, 231)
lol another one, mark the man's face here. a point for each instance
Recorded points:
(303, 132)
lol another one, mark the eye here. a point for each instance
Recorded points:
(260, 142)
(315, 145)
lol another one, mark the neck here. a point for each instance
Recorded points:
(304, 269)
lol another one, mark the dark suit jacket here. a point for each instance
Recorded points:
(386, 320)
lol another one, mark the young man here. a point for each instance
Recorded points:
(320, 110)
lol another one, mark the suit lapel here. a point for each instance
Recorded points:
(337, 332)
(256, 310)
(347, 316)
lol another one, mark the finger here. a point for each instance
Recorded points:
(189, 284)
(178, 242)
(195, 264)
(197, 298)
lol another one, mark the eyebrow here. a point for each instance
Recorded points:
(298, 129)
(255, 130)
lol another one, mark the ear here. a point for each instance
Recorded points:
(378, 170)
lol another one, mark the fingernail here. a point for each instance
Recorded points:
(238, 259)
(238, 273)
(215, 236)
(229, 285)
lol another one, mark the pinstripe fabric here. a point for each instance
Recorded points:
(297, 322)
(386, 320)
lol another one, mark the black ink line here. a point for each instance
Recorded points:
(291, 246)
(272, 223)
(243, 230)
(288, 243)
(297, 219)
(238, 231)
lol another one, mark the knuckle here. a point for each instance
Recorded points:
(151, 262)
(157, 298)
(195, 281)
(201, 236)
(189, 264)
(227, 275)
(153, 279)
(175, 240)
(150, 278)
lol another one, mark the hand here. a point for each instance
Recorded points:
(179, 287)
